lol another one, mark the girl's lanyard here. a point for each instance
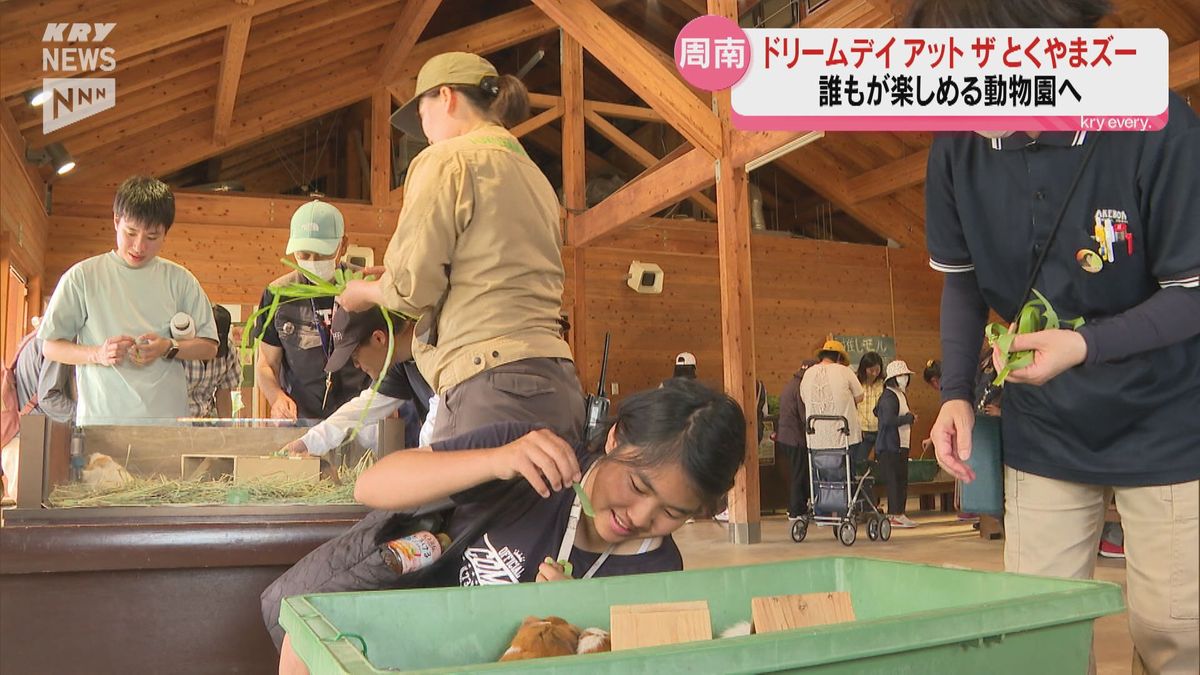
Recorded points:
(568, 541)
(326, 350)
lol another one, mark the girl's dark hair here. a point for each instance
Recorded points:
(869, 359)
(224, 321)
(503, 99)
(933, 368)
(686, 422)
(146, 201)
(1006, 13)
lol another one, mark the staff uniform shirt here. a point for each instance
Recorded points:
(103, 297)
(476, 257)
(297, 328)
(513, 547)
(991, 205)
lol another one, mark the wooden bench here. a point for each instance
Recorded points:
(928, 494)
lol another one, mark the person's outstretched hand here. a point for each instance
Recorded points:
(951, 436)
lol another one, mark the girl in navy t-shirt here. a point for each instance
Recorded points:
(668, 455)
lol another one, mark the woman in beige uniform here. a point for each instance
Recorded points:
(476, 257)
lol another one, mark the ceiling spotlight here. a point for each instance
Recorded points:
(36, 97)
(55, 155)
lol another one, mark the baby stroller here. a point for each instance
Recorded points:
(839, 498)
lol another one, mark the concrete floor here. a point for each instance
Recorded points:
(939, 540)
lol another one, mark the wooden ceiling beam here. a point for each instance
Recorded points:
(141, 28)
(399, 44)
(819, 171)
(676, 175)
(639, 153)
(343, 18)
(236, 37)
(622, 111)
(538, 121)
(1185, 66)
(888, 178)
(638, 68)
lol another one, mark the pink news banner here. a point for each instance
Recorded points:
(850, 79)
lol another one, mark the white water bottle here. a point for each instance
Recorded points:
(182, 327)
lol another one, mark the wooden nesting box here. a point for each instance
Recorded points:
(243, 468)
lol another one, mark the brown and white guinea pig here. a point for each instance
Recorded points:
(538, 638)
(594, 641)
(103, 472)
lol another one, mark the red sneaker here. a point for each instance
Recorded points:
(1111, 550)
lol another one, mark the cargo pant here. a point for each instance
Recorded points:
(1052, 528)
(542, 391)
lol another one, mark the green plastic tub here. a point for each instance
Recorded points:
(910, 619)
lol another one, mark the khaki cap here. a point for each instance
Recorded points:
(449, 68)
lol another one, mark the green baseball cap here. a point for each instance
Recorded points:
(449, 68)
(318, 227)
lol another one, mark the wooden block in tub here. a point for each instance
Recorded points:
(785, 612)
(247, 468)
(668, 623)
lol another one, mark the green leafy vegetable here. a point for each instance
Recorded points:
(315, 289)
(584, 502)
(1037, 315)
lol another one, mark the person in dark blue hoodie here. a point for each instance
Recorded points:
(894, 440)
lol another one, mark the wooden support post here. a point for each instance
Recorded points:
(574, 169)
(579, 317)
(574, 177)
(737, 308)
(381, 147)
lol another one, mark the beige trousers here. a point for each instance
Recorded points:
(1052, 528)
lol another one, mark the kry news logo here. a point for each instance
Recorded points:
(74, 98)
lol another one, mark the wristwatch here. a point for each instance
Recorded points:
(172, 351)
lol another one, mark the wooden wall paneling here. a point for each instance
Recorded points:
(22, 211)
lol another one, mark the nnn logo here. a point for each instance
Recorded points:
(74, 98)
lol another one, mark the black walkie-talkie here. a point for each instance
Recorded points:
(597, 404)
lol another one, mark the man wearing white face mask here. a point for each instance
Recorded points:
(295, 347)
(894, 439)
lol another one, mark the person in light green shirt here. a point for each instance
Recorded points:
(110, 316)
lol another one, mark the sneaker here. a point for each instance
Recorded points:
(722, 517)
(902, 521)
(1111, 550)
(792, 519)
(968, 517)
